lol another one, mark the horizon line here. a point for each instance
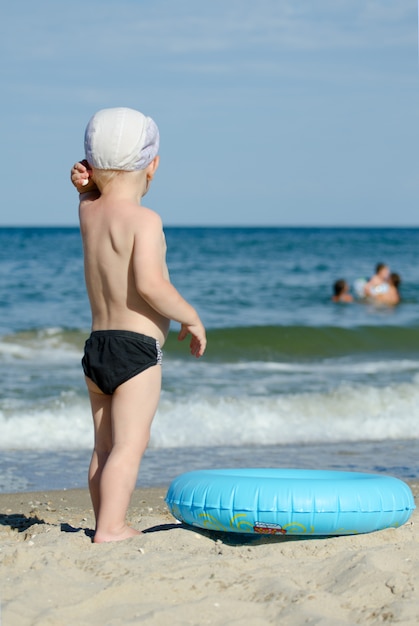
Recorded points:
(219, 226)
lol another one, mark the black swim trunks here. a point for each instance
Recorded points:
(111, 357)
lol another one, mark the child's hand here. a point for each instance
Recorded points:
(81, 177)
(198, 340)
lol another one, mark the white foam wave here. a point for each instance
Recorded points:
(46, 346)
(344, 414)
(329, 366)
(65, 427)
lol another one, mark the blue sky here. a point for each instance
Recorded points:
(280, 112)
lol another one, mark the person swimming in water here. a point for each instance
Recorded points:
(390, 296)
(341, 292)
(379, 283)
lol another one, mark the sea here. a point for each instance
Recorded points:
(289, 379)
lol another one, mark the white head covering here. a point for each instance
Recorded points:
(121, 139)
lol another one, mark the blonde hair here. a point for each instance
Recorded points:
(103, 177)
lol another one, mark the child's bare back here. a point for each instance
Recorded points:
(124, 248)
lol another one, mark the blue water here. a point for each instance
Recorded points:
(289, 378)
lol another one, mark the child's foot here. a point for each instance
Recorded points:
(126, 533)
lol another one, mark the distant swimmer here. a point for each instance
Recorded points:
(377, 284)
(341, 292)
(390, 296)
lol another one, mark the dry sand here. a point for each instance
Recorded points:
(52, 575)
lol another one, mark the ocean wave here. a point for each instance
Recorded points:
(235, 344)
(296, 343)
(361, 413)
(64, 425)
(43, 345)
(346, 413)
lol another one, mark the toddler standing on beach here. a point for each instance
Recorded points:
(132, 302)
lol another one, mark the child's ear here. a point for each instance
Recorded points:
(152, 167)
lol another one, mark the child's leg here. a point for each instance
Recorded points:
(101, 410)
(133, 407)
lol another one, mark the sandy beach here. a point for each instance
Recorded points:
(52, 575)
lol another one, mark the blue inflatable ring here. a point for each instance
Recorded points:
(287, 501)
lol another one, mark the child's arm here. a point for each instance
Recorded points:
(153, 284)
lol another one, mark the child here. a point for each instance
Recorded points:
(391, 296)
(132, 303)
(341, 292)
(379, 282)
